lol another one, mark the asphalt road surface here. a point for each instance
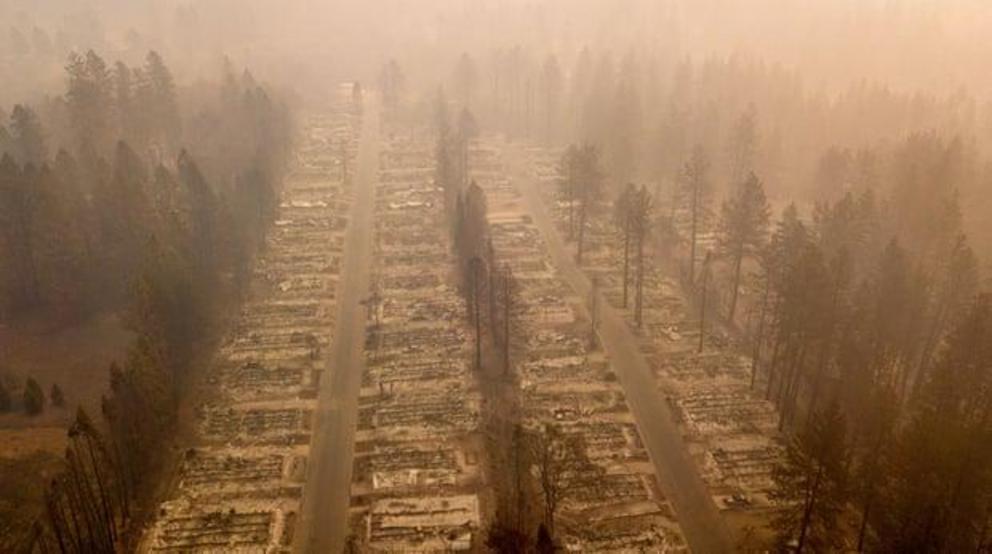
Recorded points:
(324, 518)
(697, 514)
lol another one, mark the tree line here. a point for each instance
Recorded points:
(864, 319)
(126, 217)
(114, 166)
(848, 306)
(854, 317)
(536, 469)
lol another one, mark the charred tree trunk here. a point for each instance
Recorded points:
(626, 259)
(582, 232)
(692, 238)
(760, 335)
(639, 298)
(738, 261)
(808, 510)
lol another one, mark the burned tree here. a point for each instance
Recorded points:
(471, 242)
(561, 466)
(703, 297)
(478, 272)
(695, 188)
(566, 184)
(623, 214)
(33, 398)
(467, 130)
(505, 309)
(811, 483)
(642, 213)
(587, 182)
(743, 230)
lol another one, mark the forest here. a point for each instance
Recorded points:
(850, 281)
(132, 194)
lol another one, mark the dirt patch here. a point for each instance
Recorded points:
(20, 493)
(750, 530)
(76, 358)
(22, 442)
(31, 447)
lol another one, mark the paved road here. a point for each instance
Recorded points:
(697, 514)
(324, 523)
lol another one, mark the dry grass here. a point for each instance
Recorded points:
(31, 447)
(76, 358)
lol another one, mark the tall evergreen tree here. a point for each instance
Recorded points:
(743, 230)
(812, 482)
(27, 136)
(588, 183)
(89, 101)
(623, 211)
(696, 192)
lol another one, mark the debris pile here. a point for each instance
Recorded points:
(239, 489)
(731, 430)
(416, 465)
(564, 382)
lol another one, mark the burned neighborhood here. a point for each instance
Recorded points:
(511, 276)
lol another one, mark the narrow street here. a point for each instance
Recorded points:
(679, 479)
(325, 508)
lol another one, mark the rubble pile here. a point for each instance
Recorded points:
(416, 466)
(239, 488)
(731, 431)
(620, 508)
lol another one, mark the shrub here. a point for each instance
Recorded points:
(34, 398)
(56, 396)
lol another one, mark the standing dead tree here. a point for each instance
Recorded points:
(561, 466)
(505, 308)
(566, 184)
(581, 165)
(623, 208)
(478, 272)
(743, 230)
(641, 216)
(696, 188)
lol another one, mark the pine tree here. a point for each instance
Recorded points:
(34, 398)
(567, 184)
(157, 98)
(954, 289)
(124, 104)
(561, 466)
(743, 145)
(696, 191)
(205, 230)
(939, 497)
(27, 136)
(56, 396)
(89, 100)
(623, 208)
(588, 183)
(743, 230)
(642, 216)
(812, 482)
